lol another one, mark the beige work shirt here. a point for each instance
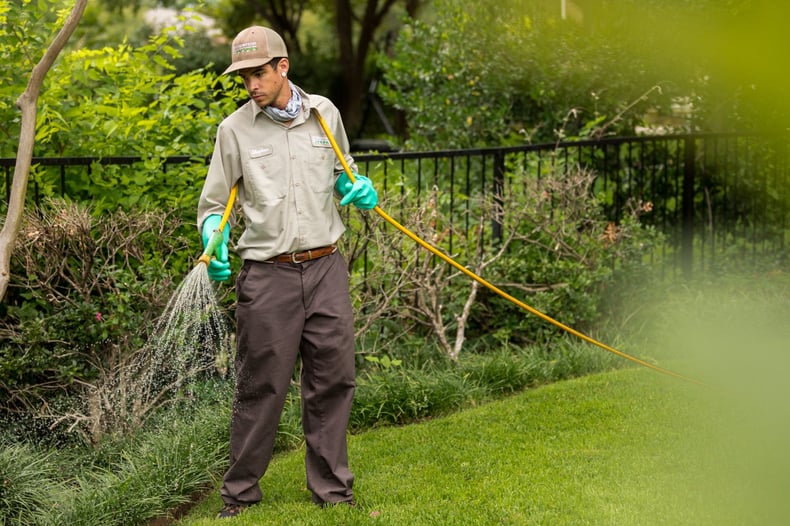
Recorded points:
(286, 176)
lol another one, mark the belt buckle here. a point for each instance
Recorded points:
(294, 260)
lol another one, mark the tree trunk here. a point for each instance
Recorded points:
(344, 25)
(354, 57)
(27, 138)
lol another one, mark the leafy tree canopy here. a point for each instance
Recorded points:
(472, 75)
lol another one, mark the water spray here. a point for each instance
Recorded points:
(217, 236)
(189, 339)
(447, 259)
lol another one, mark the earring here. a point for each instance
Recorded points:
(282, 74)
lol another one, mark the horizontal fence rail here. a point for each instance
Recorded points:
(713, 196)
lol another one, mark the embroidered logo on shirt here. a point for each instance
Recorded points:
(261, 151)
(320, 141)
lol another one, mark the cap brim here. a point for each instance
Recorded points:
(245, 64)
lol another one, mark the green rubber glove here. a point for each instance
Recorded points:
(218, 267)
(361, 193)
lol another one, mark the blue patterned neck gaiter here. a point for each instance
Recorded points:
(291, 109)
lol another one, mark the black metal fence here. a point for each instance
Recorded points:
(714, 196)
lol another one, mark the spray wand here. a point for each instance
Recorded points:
(217, 236)
(447, 259)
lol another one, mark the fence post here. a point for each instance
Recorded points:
(499, 192)
(687, 206)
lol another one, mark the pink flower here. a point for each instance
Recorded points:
(98, 316)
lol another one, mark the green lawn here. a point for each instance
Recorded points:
(627, 447)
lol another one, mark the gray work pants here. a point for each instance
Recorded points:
(287, 310)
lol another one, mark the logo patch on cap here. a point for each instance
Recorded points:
(245, 47)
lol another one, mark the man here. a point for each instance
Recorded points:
(292, 290)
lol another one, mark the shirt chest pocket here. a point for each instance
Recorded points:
(320, 170)
(267, 174)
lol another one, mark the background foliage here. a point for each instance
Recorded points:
(472, 75)
(119, 100)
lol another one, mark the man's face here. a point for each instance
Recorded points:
(266, 85)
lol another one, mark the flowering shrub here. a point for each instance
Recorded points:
(84, 291)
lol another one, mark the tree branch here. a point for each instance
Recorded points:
(27, 137)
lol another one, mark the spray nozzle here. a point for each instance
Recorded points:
(213, 242)
(217, 236)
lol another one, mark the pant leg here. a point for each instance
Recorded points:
(327, 351)
(270, 318)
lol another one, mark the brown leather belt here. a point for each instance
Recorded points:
(307, 255)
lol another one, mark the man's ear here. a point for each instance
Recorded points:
(283, 66)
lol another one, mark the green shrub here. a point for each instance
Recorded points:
(470, 75)
(119, 100)
(84, 293)
(115, 100)
(557, 253)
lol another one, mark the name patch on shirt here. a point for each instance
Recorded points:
(320, 141)
(261, 151)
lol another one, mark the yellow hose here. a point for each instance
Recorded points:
(485, 283)
(216, 236)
